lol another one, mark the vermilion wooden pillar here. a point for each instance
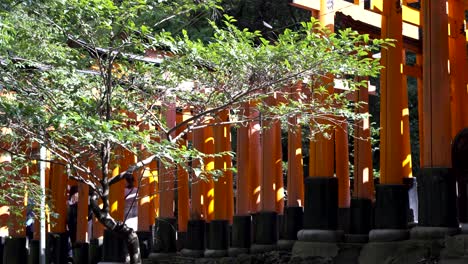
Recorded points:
(98, 228)
(228, 174)
(437, 181)
(278, 168)
(116, 191)
(268, 178)
(4, 213)
(255, 158)
(436, 92)
(144, 202)
(321, 150)
(209, 148)
(295, 170)
(342, 164)
(457, 56)
(82, 235)
(59, 197)
(197, 211)
(244, 194)
(363, 170)
(405, 128)
(182, 181)
(391, 140)
(166, 175)
(153, 182)
(223, 185)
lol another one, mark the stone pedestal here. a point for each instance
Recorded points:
(58, 247)
(14, 251)
(292, 223)
(437, 197)
(195, 239)
(218, 239)
(265, 225)
(241, 235)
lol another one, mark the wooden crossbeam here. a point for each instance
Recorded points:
(410, 15)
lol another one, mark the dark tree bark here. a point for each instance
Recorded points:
(120, 228)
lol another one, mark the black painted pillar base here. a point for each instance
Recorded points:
(265, 228)
(14, 251)
(58, 247)
(81, 253)
(2, 245)
(361, 221)
(114, 248)
(218, 239)
(181, 240)
(391, 204)
(292, 223)
(319, 236)
(321, 203)
(437, 197)
(34, 255)
(95, 250)
(144, 240)
(437, 204)
(164, 239)
(241, 235)
(195, 239)
(391, 213)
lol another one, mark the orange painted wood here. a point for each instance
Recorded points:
(268, 178)
(342, 164)
(295, 176)
(405, 129)
(229, 177)
(391, 140)
(153, 182)
(255, 155)
(59, 196)
(327, 14)
(221, 184)
(97, 227)
(5, 157)
(436, 91)
(244, 195)
(144, 202)
(82, 235)
(197, 210)
(167, 174)
(457, 56)
(363, 169)
(278, 168)
(182, 181)
(116, 191)
(209, 148)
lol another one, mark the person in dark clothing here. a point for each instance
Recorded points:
(72, 215)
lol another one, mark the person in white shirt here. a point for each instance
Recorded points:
(131, 203)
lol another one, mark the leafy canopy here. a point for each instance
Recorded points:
(88, 79)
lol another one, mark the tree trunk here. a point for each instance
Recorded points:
(121, 229)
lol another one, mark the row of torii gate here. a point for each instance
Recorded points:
(436, 34)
